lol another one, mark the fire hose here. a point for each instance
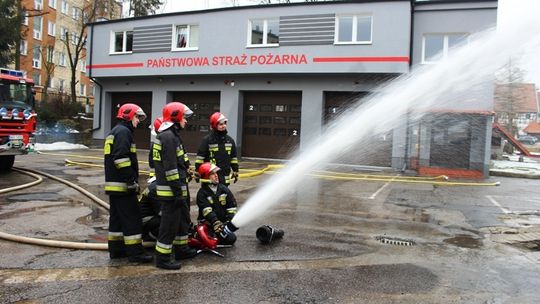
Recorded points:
(52, 243)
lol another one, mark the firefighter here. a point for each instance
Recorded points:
(121, 184)
(153, 138)
(217, 205)
(150, 211)
(171, 169)
(219, 149)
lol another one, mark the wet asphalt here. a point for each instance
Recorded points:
(346, 241)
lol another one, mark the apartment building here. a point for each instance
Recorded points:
(280, 73)
(52, 27)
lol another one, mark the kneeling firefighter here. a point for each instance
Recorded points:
(171, 187)
(217, 205)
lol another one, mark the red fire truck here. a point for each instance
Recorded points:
(17, 117)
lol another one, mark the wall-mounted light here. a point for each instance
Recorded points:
(229, 82)
(160, 79)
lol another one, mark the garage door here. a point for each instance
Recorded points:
(371, 151)
(271, 124)
(203, 105)
(142, 99)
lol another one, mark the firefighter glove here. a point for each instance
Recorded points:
(235, 176)
(190, 174)
(218, 226)
(134, 188)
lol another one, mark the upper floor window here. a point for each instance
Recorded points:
(37, 27)
(76, 13)
(52, 3)
(263, 32)
(24, 47)
(355, 29)
(121, 42)
(62, 59)
(36, 57)
(52, 29)
(83, 66)
(65, 7)
(435, 47)
(25, 19)
(38, 4)
(36, 78)
(186, 37)
(63, 33)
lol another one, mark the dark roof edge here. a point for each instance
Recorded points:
(253, 6)
(435, 2)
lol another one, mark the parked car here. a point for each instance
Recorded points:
(527, 139)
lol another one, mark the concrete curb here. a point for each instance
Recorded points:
(495, 172)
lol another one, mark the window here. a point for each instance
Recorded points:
(74, 38)
(24, 47)
(63, 33)
(83, 66)
(263, 32)
(82, 90)
(65, 7)
(51, 29)
(50, 54)
(62, 59)
(52, 3)
(36, 78)
(435, 47)
(37, 27)
(75, 13)
(25, 19)
(356, 29)
(50, 82)
(38, 4)
(121, 42)
(36, 57)
(61, 83)
(186, 37)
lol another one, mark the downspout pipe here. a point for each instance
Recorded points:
(407, 131)
(94, 79)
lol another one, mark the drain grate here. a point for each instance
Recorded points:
(394, 241)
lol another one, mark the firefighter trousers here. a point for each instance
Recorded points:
(168, 228)
(125, 225)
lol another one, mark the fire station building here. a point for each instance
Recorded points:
(281, 72)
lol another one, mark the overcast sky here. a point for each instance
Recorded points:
(508, 11)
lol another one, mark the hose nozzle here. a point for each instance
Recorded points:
(266, 234)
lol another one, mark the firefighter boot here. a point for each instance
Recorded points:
(136, 254)
(182, 252)
(116, 249)
(164, 261)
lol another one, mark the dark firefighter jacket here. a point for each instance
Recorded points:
(220, 149)
(150, 205)
(220, 205)
(121, 166)
(171, 164)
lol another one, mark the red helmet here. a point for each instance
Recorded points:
(206, 168)
(128, 110)
(216, 118)
(157, 123)
(175, 111)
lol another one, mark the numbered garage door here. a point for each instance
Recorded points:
(271, 126)
(142, 99)
(371, 151)
(203, 105)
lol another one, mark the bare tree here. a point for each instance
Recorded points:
(48, 65)
(22, 14)
(510, 95)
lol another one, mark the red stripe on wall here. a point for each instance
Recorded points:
(361, 59)
(116, 65)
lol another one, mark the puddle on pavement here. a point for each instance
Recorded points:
(533, 245)
(38, 196)
(464, 241)
(21, 211)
